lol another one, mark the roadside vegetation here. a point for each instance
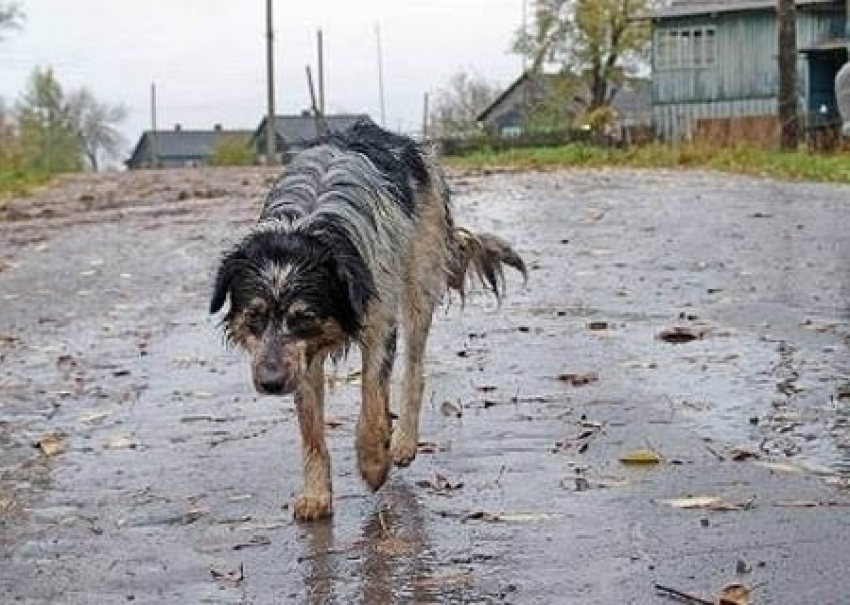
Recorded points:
(49, 130)
(744, 159)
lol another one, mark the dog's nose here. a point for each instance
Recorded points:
(272, 386)
(272, 381)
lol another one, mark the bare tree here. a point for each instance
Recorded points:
(789, 119)
(457, 106)
(95, 123)
(11, 17)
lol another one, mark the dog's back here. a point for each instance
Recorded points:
(379, 191)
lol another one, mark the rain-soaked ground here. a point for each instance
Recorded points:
(138, 466)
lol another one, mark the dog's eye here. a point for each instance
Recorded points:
(302, 323)
(255, 319)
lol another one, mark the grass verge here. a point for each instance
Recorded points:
(17, 181)
(745, 159)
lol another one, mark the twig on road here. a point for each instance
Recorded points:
(682, 596)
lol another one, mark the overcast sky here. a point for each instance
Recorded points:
(207, 57)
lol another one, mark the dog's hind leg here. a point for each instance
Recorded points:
(315, 500)
(373, 427)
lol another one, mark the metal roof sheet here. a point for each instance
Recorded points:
(680, 8)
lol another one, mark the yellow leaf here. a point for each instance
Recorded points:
(734, 594)
(50, 445)
(644, 456)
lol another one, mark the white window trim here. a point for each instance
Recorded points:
(676, 48)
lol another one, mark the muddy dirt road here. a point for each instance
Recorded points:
(702, 316)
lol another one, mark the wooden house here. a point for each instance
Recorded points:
(180, 148)
(513, 112)
(716, 71)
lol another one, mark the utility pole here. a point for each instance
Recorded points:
(789, 119)
(381, 76)
(321, 50)
(425, 117)
(271, 126)
(154, 146)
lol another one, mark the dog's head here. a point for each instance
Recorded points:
(292, 297)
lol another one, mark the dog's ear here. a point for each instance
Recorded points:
(357, 283)
(227, 270)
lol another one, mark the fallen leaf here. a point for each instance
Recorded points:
(254, 541)
(809, 503)
(451, 410)
(506, 517)
(682, 334)
(642, 456)
(838, 481)
(578, 379)
(235, 576)
(440, 484)
(705, 502)
(120, 443)
(429, 447)
(333, 422)
(740, 454)
(94, 417)
(734, 594)
(50, 445)
(582, 484)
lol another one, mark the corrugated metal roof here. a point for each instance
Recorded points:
(192, 143)
(681, 8)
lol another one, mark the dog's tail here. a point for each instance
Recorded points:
(485, 254)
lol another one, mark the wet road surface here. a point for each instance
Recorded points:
(138, 466)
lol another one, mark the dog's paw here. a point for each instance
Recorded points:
(312, 507)
(403, 450)
(374, 462)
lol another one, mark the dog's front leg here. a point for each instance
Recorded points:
(373, 427)
(315, 500)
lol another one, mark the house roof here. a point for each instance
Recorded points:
(298, 130)
(632, 99)
(186, 144)
(501, 98)
(682, 8)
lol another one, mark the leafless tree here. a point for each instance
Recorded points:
(95, 124)
(11, 17)
(457, 106)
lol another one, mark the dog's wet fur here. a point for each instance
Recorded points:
(355, 242)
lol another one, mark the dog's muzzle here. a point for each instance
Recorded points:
(280, 369)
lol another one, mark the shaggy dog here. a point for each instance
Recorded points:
(355, 241)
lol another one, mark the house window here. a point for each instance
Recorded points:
(685, 48)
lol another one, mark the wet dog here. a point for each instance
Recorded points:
(355, 242)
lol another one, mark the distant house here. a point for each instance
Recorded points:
(296, 132)
(715, 64)
(180, 148)
(508, 115)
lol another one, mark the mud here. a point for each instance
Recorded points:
(161, 478)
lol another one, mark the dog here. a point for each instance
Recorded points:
(356, 241)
